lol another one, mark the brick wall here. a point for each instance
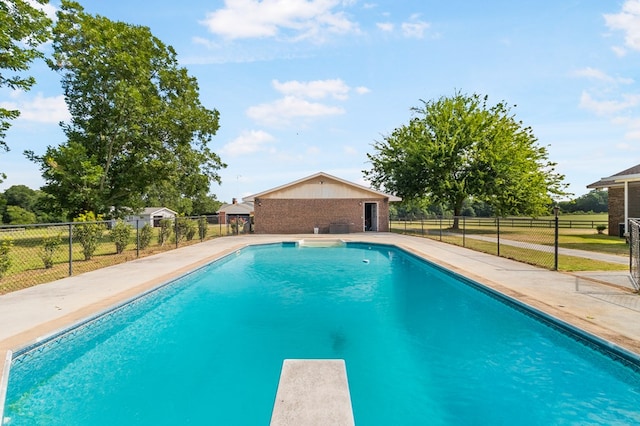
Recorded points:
(616, 206)
(616, 209)
(300, 216)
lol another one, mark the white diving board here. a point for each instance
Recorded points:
(313, 392)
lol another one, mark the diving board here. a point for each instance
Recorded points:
(313, 392)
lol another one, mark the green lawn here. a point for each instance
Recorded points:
(27, 266)
(575, 232)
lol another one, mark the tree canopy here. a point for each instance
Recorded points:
(596, 201)
(459, 147)
(136, 119)
(23, 29)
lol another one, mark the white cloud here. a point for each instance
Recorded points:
(295, 102)
(628, 21)
(282, 111)
(596, 74)
(205, 42)
(248, 142)
(619, 51)
(316, 89)
(293, 19)
(608, 107)
(633, 128)
(47, 8)
(40, 109)
(385, 26)
(414, 28)
(349, 150)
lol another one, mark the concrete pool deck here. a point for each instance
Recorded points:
(595, 302)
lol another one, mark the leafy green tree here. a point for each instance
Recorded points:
(121, 235)
(23, 28)
(460, 147)
(21, 196)
(136, 118)
(15, 215)
(167, 195)
(88, 232)
(595, 201)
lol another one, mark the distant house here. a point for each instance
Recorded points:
(235, 210)
(321, 203)
(624, 198)
(151, 215)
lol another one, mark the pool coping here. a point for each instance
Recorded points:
(604, 336)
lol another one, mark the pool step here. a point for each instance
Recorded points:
(326, 243)
(313, 392)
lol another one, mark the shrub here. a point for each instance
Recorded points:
(5, 260)
(121, 235)
(185, 229)
(146, 233)
(88, 234)
(601, 228)
(164, 231)
(50, 246)
(192, 229)
(202, 227)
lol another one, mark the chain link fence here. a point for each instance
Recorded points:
(38, 253)
(533, 241)
(634, 252)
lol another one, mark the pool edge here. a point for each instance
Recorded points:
(4, 382)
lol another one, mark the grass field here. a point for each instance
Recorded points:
(27, 267)
(575, 232)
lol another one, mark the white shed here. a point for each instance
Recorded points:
(151, 215)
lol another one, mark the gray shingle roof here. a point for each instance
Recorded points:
(616, 179)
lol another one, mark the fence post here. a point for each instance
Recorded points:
(175, 231)
(422, 224)
(464, 230)
(70, 249)
(498, 234)
(440, 228)
(555, 242)
(137, 237)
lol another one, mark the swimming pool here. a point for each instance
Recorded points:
(421, 346)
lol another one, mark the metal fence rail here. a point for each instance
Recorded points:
(634, 251)
(37, 253)
(499, 236)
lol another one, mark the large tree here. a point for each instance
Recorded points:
(22, 29)
(136, 118)
(459, 147)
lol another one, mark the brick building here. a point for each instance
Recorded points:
(321, 203)
(624, 198)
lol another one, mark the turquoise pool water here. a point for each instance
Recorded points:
(421, 347)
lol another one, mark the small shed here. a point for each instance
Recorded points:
(624, 198)
(151, 215)
(235, 210)
(323, 204)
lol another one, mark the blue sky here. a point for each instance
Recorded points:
(304, 86)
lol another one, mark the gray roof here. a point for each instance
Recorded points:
(151, 210)
(237, 208)
(628, 175)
